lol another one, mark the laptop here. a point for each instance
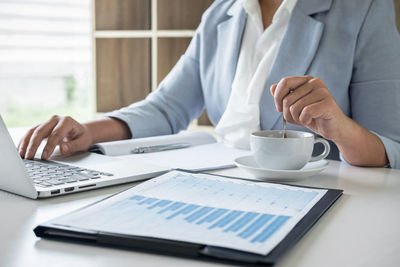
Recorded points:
(65, 175)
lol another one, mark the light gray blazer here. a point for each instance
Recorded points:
(353, 45)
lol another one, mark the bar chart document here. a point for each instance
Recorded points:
(202, 209)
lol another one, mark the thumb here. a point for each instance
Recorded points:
(273, 88)
(73, 146)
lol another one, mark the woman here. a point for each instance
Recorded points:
(328, 66)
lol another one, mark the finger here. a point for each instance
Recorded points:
(313, 111)
(294, 95)
(292, 98)
(76, 145)
(40, 133)
(296, 108)
(273, 88)
(285, 85)
(63, 129)
(23, 143)
(26, 136)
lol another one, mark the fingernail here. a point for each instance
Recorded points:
(44, 155)
(64, 148)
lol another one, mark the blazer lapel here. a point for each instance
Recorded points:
(230, 33)
(295, 53)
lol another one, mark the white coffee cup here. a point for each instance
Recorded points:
(271, 151)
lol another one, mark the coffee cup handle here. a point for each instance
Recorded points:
(326, 150)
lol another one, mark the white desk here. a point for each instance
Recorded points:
(361, 229)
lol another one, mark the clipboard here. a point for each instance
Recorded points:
(188, 249)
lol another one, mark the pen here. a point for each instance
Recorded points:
(158, 148)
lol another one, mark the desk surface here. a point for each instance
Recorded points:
(361, 229)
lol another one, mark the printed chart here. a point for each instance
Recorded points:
(203, 209)
(240, 223)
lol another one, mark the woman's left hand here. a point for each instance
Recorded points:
(305, 101)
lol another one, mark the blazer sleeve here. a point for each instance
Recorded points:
(375, 85)
(176, 102)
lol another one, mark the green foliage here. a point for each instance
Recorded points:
(70, 88)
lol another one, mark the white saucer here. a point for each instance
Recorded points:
(248, 164)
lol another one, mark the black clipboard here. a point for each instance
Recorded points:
(192, 250)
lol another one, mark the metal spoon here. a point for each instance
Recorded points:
(284, 121)
(284, 127)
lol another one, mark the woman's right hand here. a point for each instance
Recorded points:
(66, 132)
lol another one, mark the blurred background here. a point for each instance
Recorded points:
(85, 57)
(45, 60)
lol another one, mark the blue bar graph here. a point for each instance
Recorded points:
(213, 216)
(236, 219)
(271, 229)
(223, 220)
(161, 203)
(196, 215)
(256, 225)
(136, 197)
(173, 206)
(149, 200)
(230, 217)
(241, 222)
(204, 209)
(187, 209)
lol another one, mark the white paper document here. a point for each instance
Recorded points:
(125, 147)
(196, 158)
(203, 151)
(203, 209)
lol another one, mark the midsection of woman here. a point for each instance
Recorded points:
(346, 50)
(335, 41)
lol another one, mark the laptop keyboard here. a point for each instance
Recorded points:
(49, 173)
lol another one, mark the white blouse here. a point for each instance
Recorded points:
(257, 53)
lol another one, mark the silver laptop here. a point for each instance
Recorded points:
(65, 175)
